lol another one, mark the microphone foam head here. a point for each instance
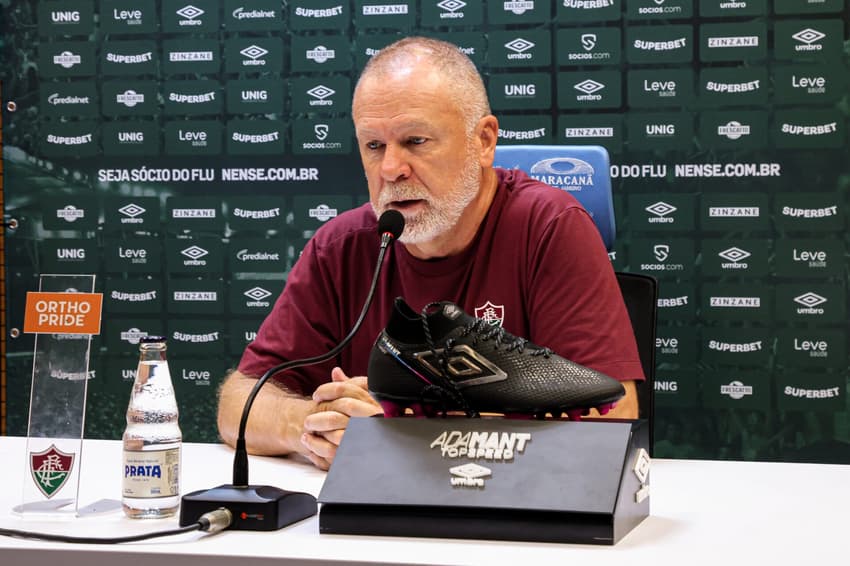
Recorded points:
(392, 222)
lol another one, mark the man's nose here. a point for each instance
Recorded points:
(394, 165)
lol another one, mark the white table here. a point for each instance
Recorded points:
(703, 512)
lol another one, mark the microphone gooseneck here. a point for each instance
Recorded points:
(390, 227)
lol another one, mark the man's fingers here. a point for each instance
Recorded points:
(325, 421)
(319, 445)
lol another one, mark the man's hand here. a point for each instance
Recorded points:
(337, 401)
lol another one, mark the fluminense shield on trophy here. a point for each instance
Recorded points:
(50, 469)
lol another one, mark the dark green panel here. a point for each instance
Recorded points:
(737, 389)
(737, 302)
(69, 99)
(321, 94)
(129, 58)
(192, 97)
(733, 42)
(652, 10)
(660, 44)
(589, 46)
(192, 337)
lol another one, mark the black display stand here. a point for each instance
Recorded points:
(550, 481)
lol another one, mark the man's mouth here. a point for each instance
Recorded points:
(406, 205)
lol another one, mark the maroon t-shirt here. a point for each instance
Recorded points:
(537, 264)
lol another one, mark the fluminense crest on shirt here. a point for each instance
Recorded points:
(494, 314)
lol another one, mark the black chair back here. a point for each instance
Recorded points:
(640, 293)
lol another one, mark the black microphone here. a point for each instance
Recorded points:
(267, 508)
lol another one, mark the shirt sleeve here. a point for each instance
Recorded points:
(298, 327)
(575, 304)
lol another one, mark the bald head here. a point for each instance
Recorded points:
(433, 60)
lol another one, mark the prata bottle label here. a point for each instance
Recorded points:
(151, 474)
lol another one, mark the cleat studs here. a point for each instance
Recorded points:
(391, 409)
(574, 414)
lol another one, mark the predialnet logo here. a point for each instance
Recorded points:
(660, 212)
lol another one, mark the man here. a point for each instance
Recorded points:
(427, 140)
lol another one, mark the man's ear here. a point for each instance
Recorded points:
(487, 132)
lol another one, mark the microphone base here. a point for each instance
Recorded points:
(254, 507)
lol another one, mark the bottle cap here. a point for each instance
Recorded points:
(151, 339)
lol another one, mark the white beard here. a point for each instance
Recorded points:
(439, 216)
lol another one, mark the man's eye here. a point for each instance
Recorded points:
(416, 141)
(374, 145)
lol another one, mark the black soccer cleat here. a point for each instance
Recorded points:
(446, 360)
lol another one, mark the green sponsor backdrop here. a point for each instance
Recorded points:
(185, 152)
